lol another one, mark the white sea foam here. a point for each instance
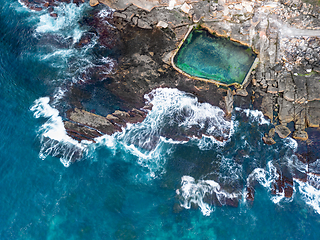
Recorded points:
(59, 53)
(265, 177)
(25, 7)
(110, 62)
(193, 191)
(54, 138)
(291, 143)
(66, 23)
(309, 194)
(106, 14)
(254, 115)
(172, 110)
(231, 170)
(172, 107)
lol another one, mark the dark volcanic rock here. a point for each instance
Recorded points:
(250, 193)
(87, 126)
(141, 69)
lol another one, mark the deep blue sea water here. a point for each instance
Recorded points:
(119, 190)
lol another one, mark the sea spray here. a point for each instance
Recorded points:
(60, 43)
(194, 192)
(150, 148)
(66, 24)
(309, 194)
(54, 138)
(178, 110)
(254, 115)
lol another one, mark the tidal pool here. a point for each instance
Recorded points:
(207, 56)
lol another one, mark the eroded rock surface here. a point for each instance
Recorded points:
(285, 85)
(285, 34)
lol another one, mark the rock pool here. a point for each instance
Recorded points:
(207, 56)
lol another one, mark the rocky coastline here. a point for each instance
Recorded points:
(285, 85)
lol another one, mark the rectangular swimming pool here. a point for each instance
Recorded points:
(210, 57)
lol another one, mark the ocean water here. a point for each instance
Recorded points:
(137, 184)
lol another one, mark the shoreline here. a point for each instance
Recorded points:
(285, 85)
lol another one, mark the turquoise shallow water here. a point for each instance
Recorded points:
(215, 58)
(120, 190)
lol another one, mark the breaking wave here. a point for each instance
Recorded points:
(193, 192)
(174, 109)
(66, 22)
(173, 114)
(310, 191)
(254, 115)
(53, 136)
(173, 117)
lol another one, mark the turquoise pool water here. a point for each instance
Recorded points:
(209, 56)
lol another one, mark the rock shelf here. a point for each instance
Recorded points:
(285, 34)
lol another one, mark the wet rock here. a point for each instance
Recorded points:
(272, 132)
(283, 76)
(94, 3)
(283, 183)
(212, 199)
(232, 202)
(300, 135)
(113, 118)
(282, 131)
(268, 140)
(92, 120)
(250, 194)
(79, 132)
(54, 15)
(39, 5)
(313, 116)
(85, 39)
(38, 9)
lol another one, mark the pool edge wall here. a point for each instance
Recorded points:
(237, 85)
